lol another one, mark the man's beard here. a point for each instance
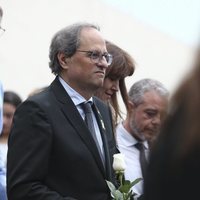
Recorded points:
(135, 131)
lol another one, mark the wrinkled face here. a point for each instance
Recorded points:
(146, 118)
(8, 113)
(110, 87)
(81, 73)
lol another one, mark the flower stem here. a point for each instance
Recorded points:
(121, 178)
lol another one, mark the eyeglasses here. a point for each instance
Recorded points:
(96, 56)
(2, 31)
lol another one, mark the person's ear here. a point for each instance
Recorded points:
(131, 105)
(63, 60)
(130, 110)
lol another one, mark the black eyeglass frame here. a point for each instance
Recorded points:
(96, 56)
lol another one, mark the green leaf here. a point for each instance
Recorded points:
(124, 188)
(118, 195)
(127, 182)
(111, 187)
(135, 181)
(130, 194)
(124, 192)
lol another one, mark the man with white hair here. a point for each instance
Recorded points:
(148, 100)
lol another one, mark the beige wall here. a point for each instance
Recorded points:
(31, 24)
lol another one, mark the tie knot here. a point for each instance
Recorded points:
(87, 107)
(139, 146)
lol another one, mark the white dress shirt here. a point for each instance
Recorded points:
(126, 145)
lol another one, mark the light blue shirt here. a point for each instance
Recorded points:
(77, 100)
(1, 107)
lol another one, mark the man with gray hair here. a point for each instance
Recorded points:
(148, 101)
(61, 142)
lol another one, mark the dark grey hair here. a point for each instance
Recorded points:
(142, 86)
(66, 41)
(12, 98)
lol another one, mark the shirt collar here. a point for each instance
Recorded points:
(128, 139)
(75, 96)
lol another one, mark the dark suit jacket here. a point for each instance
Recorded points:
(52, 154)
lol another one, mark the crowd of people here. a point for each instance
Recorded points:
(59, 143)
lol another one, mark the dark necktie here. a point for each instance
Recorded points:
(143, 161)
(89, 121)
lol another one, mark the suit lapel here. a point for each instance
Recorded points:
(70, 111)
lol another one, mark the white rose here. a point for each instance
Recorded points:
(118, 162)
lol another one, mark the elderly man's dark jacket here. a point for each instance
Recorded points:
(51, 153)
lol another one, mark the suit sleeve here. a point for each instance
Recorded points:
(29, 149)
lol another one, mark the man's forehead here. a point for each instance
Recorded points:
(153, 98)
(92, 37)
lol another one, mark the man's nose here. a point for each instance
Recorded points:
(102, 62)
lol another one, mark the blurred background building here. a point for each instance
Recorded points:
(159, 52)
